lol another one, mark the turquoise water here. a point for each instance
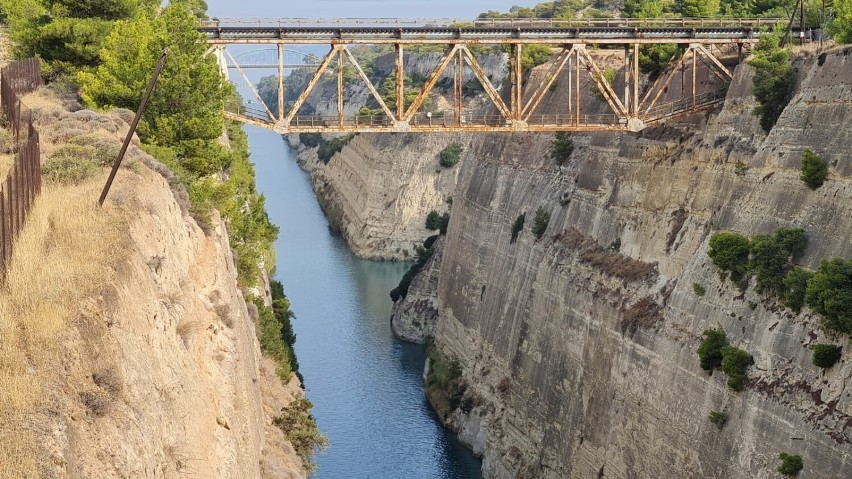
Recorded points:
(366, 385)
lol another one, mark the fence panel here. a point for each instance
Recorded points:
(23, 183)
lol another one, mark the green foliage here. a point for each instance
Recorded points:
(301, 430)
(72, 163)
(795, 287)
(273, 331)
(423, 254)
(735, 362)
(773, 79)
(829, 293)
(790, 464)
(841, 27)
(740, 168)
(387, 90)
(698, 289)
(517, 227)
(436, 221)
(445, 374)
(814, 169)
(653, 58)
(534, 55)
(769, 262)
(710, 350)
(451, 155)
(729, 251)
(719, 418)
(329, 148)
(540, 222)
(826, 355)
(311, 140)
(561, 148)
(609, 75)
(699, 8)
(66, 34)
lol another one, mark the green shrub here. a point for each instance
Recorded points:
(795, 287)
(451, 155)
(540, 222)
(609, 75)
(790, 464)
(517, 227)
(436, 221)
(814, 169)
(768, 261)
(735, 362)
(841, 27)
(729, 252)
(698, 289)
(773, 79)
(301, 430)
(826, 355)
(328, 149)
(615, 246)
(275, 332)
(561, 148)
(719, 418)
(740, 168)
(829, 293)
(311, 140)
(710, 350)
(423, 254)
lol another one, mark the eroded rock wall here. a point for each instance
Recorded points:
(581, 361)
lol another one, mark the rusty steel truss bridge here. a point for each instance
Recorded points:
(515, 107)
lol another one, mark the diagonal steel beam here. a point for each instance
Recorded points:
(665, 84)
(250, 85)
(715, 61)
(311, 84)
(486, 83)
(597, 76)
(552, 73)
(370, 86)
(340, 56)
(430, 83)
(399, 71)
(671, 63)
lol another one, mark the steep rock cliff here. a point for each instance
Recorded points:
(581, 361)
(158, 371)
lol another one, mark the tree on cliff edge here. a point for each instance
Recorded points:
(773, 79)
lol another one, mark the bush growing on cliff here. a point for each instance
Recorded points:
(436, 221)
(710, 350)
(771, 258)
(561, 148)
(841, 27)
(826, 355)
(540, 222)
(423, 254)
(517, 227)
(814, 169)
(719, 418)
(301, 430)
(795, 287)
(790, 464)
(698, 289)
(311, 140)
(329, 148)
(729, 251)
(829, 293)
(773, 79)
(735, 361)
(451, 155)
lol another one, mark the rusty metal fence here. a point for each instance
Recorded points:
(23, 182)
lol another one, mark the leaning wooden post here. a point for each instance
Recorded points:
(133, 126)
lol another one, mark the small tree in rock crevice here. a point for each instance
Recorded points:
(814, 169)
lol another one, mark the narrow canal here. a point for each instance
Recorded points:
(365, 384)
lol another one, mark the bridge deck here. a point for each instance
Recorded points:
(488, 31)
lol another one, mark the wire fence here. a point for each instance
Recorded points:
(23, 182)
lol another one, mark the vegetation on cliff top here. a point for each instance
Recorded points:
(773, 79)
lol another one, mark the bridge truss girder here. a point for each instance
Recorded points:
(629, 112)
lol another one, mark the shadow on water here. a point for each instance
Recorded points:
(366, 385)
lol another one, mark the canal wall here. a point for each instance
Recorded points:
(158, 371)
(579, 348)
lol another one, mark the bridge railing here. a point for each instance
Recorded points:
(681, 105)
(491, 22)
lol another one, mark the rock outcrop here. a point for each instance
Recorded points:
(579, 348)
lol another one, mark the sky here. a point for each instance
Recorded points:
(430, 9)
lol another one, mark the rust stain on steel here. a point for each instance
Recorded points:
(715, 61)
(400, 81)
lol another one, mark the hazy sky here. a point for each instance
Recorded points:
(456, 9)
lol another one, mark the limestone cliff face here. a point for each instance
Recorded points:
(414, 318)
(160, 374)
(581, 361)
(379, 189)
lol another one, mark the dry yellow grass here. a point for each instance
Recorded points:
(6, 162)
(64, 256)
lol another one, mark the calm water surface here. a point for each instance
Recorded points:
(365, 384)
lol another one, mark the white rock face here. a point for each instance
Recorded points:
(583, 363)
